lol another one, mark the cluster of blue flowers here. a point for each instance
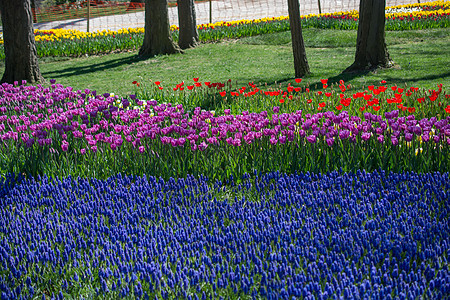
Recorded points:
(352, 235)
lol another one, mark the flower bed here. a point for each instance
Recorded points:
(61, 42)
(59, 132)
(356, 235)
(150, 195)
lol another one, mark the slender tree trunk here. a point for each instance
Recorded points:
(298, 46)
(188, 36)
(371, 50)
(21, 61)
(157, 36)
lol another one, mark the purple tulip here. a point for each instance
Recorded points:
(344, 134)
(394, 141)
(311, 139)
(365, 136)
(330, 142)
(64, 146)
(408, 137)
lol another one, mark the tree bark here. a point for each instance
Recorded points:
(157, 36)
(21, 61)
(298, 46)
(188, 35)
(371, 50)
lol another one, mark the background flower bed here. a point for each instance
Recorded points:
(275, 235)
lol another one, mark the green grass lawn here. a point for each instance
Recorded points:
(422, 58)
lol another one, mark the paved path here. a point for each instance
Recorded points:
(222, 10)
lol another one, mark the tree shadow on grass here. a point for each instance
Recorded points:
(344, 76)
(317, 85)
(92, 68)
(416, 79)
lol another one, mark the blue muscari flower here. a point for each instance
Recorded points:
(309, 252)
(138, 290)
(75, 277)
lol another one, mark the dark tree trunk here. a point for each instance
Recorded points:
(21, 61)
(135, 4)
(188, 36)
(157, 36)
(371, 50)
(298, 47)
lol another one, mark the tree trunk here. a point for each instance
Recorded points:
(371, 50)
(157, 36)
(21, 61)
(188, 36)
(298, 46)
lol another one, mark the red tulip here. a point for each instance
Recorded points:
(447, 109)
